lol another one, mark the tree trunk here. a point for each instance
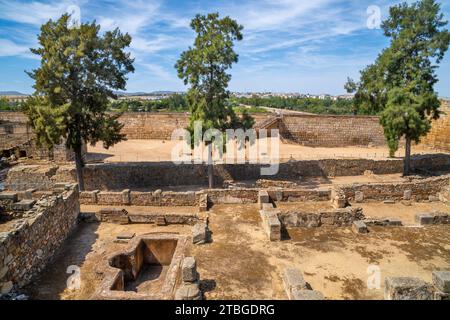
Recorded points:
(407, 161)
(79, 168)
(210, 167)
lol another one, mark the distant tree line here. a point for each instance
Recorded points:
(173, 103)
(312, 105)
(7, 105)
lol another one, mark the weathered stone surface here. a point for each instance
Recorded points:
(113, 215)
(359, 196)
(267, 206)
(6, 287)
(161, 221)
(407, 288)
(200, 233)
(8, 195)
(189, 270)
(384, 222)
(433, 198)
(188, 291)
(441, 280)
(203, 202)
(407, 194)
(23, 205)
(300, 294)
(432, 218)
(126, 235)
(263, 197)
(126, 198)
(339, 202)
(416, 189)
(293, 279)
(310, 219)
(32, 242)
(271, 224)
(359, 227)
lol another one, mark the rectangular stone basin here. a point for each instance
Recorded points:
(148, 269)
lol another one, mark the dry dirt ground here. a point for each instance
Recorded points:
(161, 150)
(241, 263)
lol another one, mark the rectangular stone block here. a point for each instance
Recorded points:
(424, 218)
(359, 227)
(359, 196)
(200, 233)
(161, 221)
(203, 203)
(267, 206)
(407, 288)
(126, 198)
(407, 194)
(9, 196)
(274, 227)
(114, 215)
(23, 205)
(263, 197)
(441, 280)
(189, 270)
(293, 280)
(306, 295)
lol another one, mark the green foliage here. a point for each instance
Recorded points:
(6, 105)
(78, 72)
(204, 68)
(312, 105)
(402, 117)
(173, 103)
(400, 84)
(47, 121)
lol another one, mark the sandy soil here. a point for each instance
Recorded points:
(405, 213)
(241, 263)
(160, 150)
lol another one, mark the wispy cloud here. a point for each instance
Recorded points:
(283, 39)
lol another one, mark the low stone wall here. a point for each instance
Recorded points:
(31, 243)
(136, 198)
(417, 190)
(335, 217)
(139, 175)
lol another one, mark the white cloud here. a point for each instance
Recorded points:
(10, 49)
(34, 13)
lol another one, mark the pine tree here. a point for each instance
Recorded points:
(78, 73)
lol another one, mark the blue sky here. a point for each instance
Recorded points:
(307, 46)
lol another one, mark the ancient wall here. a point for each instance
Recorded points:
(31, 243)
(332, 131)
(146, 125)
(439, 135)
(147, 175)
(418, 189)
(14, 130)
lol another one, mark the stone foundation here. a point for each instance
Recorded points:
(30, 244)
(119, 176)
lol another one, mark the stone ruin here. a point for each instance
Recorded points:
(128, 274)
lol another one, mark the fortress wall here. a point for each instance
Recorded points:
(439, 135)
(332, 131)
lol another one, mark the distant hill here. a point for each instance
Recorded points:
(12, 93)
